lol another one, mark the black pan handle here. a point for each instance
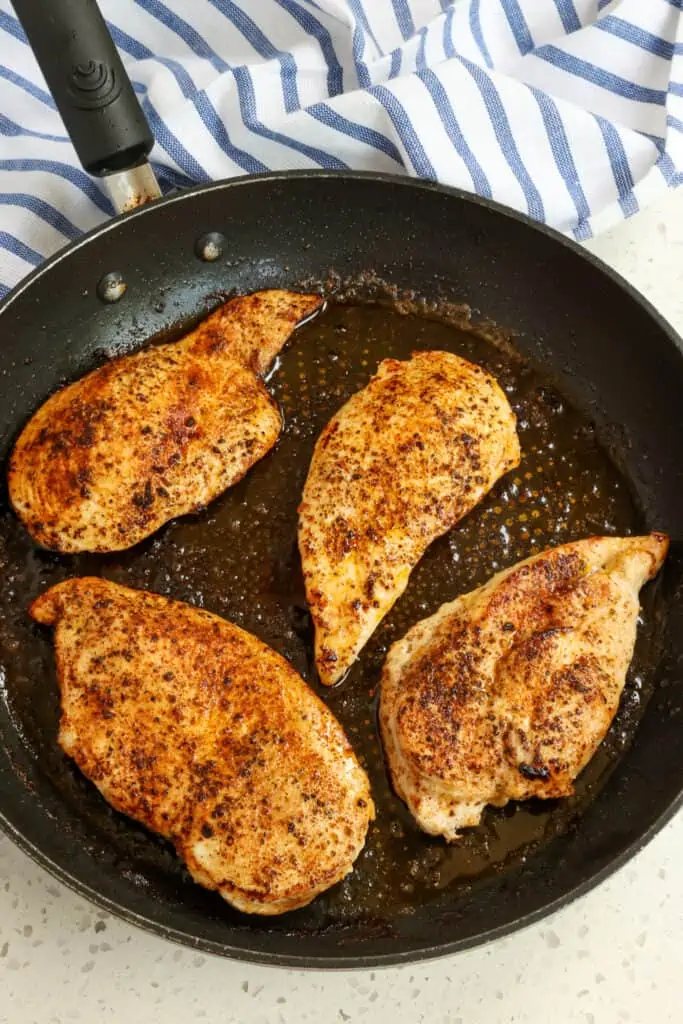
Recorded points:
(88, 81)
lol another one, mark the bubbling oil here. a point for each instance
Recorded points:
(239, 558)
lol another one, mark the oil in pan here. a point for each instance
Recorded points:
(239, 559)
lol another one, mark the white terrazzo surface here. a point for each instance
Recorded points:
(616, 955)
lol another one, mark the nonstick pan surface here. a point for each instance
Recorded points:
(595, 377)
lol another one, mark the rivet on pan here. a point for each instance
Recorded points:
(210, 246)
(111, 287)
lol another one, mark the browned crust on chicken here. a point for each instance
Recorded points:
(109, 459)
(205, 735)
(400, 464)
(506, 692)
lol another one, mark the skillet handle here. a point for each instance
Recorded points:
(89, 84)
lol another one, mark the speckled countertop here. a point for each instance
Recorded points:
(615, 955)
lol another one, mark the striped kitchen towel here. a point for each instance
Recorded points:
(569, 110)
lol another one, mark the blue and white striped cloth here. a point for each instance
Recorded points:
(569, 110)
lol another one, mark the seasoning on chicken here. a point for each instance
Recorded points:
(204, 734)
(507, 692)
(109, 459)
(400, 464)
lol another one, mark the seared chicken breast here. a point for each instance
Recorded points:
(109, 459)
(396, 467)
(204, 734)
(506, 692)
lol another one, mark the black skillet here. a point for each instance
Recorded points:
(618, 380)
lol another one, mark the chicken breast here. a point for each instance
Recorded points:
(396, 467)
(205, 735)
(108, 460)
(507, 692)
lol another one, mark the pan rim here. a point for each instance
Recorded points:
(355, 960)
(417, 184)
(307, 961)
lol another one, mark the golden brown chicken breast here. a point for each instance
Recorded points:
(108, 460)
(506, 692)
(397, 466)
(202, 733)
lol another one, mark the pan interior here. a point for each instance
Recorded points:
(239, 559)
